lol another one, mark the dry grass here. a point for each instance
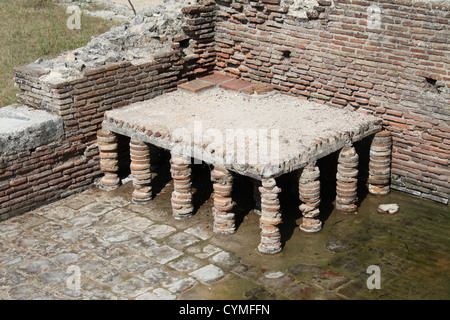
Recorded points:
(32, 29)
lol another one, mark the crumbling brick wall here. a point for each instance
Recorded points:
(338, 53)
(49, 172)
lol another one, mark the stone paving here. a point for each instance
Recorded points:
(120, 250)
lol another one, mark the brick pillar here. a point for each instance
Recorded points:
(224, 218)
(347, 181)
(309, 194)
(270, 217)
(109, 164)
(180, 169)
(140, 171)
(380, 163)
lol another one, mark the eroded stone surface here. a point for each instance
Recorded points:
(137, 40)
(208, 274)
(23, 128)
(177, 121)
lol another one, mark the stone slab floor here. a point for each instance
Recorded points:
(120, 250)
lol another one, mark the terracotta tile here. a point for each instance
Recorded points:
(235, 84)
(196, 85)
(258, 88)
(216, 77)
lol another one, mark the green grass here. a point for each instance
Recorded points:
(32, 29)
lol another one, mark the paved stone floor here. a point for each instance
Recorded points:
(120, 250)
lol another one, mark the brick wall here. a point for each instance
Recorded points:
(328, 53)
(337, 55)
(50, 172)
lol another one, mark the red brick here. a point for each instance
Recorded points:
(339, 101)
(427, 136)
(235, 84)
(196, 85)
(216, 78)
(18, 181)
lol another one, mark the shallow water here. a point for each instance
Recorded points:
(411, 250)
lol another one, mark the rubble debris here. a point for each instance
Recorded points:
(391, 208)
(151, 31)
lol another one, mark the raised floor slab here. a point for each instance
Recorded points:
(281, 133)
